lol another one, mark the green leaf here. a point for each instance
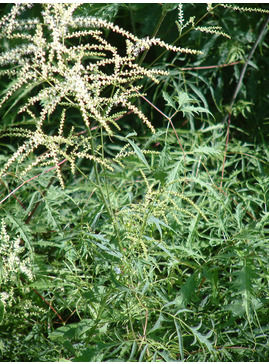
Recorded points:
(174, 174)
(139, 153)
(67, 344)
(190, 109)
(90, 355)
(169, 100)
(244, 285)
(188, 289)
(2, 311)
(168, 7)
(157, 222)
(180, 339)
(201, 338)
(63, 332)
(134, 350)
(146, 287)
(141, 357)
(104, 245)
(19, 96)
(161, 246)
(158, 324)
(23, 230)
(109, 251)
(207, 150)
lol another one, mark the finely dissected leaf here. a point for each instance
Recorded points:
(23, 230)
(188, 289)
(193, 229)
(180, 340)
(167, 251)
(207, 82)
(203, 339)
(236, 308)
(158, 324)
(172, 176)
(184, 101)
(158, 223)
(206, 150)
(146, 287)
(244, 285)
(19, 97)
(190, 109)
(109, 251)
(127, 260)
(169, 100)
(50, 215)
(154, 138)
(104, 245)
(199, 94)
(139, 153)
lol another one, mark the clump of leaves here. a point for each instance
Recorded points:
(179, 268)
(20, 314)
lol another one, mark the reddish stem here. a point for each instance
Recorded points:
(50, 306)
(209, 67)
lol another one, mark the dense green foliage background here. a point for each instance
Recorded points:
(177, 268)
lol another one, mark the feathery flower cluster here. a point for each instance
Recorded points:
(63, 60)
(10, 22)
(213, 30)
(124, 154)
(180, 17)
(238, 8)
(12, 264)
(209, 8)
(16, 275)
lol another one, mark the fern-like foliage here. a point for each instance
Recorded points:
(64, 61)
(159, 208)
(191, 22)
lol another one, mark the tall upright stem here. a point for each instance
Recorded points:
(99, 186)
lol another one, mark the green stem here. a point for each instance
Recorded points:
(262, 32)
(180, 36)
(106, 184)
(98, 184)
(153, 35)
